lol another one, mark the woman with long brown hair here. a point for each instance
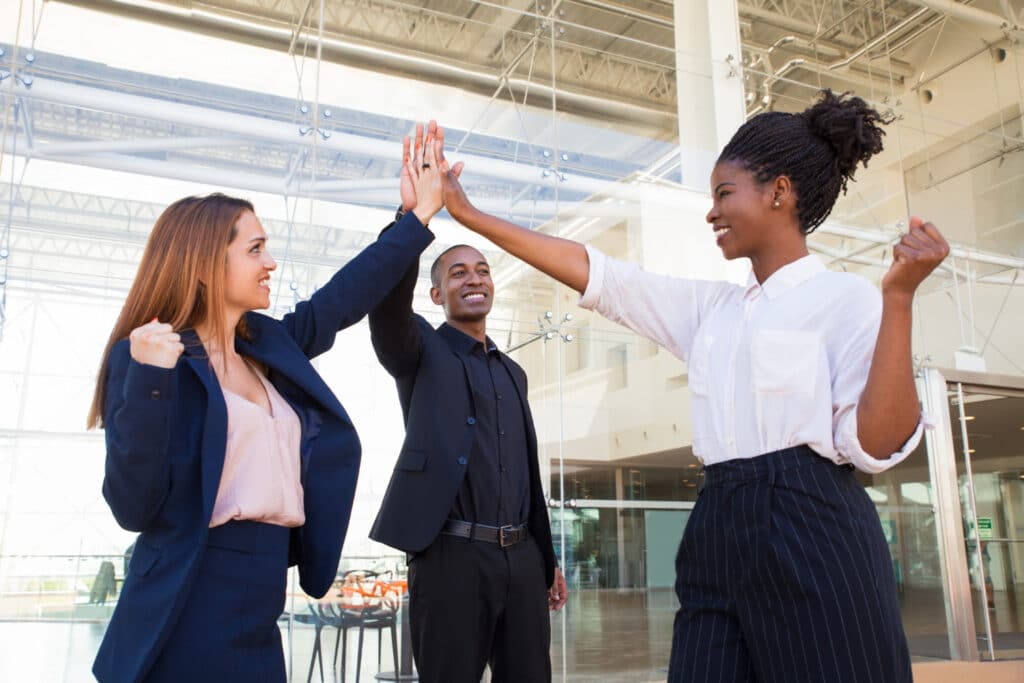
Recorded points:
(225, 448)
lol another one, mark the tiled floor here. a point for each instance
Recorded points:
(613, 636)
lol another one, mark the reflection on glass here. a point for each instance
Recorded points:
(990, 467)
(619, 565)
(903, 498)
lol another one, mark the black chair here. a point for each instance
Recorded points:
(378, 619)
(335, 617)
(313, 617)
(377, 611)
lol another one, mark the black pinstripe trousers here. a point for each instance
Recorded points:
(783, 576)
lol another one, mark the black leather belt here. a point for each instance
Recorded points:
(504, 536)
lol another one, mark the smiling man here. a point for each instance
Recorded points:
(465, 500)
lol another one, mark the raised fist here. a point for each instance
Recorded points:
(915, 256)
(156, 343)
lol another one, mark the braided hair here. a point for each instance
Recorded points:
(818, 149)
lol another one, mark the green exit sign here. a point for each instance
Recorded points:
(984, 528)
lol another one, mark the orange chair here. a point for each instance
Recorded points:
(370, 599)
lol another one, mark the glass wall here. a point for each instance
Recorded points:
(990, 469)
(907, 508)
(594, 121)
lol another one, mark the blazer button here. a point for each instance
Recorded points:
(471, 420)
(461, 461)
(155, 394)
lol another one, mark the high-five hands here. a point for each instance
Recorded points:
(420, 186)
(455, 199)
(420, 172)
(407, 187)
(156, 343)
(918, 253)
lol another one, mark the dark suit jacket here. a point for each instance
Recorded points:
(436, 394)
(166, 432)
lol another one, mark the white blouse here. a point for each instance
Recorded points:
(770, 366)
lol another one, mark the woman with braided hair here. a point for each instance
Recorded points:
(797, 378)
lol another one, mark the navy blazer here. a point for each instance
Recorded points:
(436, 393)
(166, 432)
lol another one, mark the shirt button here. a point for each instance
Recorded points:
(501, 433)
(499, 397)
(461, 461)
(155, 394)
(504, 469)
(471, 420)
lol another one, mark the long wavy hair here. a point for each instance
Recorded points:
(180, 279)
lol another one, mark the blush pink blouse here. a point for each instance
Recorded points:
(260, 480)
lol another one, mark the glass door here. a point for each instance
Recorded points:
(989, 440)
(918, 508)
(620, 567)
(614, 434)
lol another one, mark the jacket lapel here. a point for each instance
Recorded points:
(276, 354)
(216, 425)
(279, 352)
(518, 377)
(453, 338)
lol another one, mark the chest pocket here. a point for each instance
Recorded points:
(785, 361)
(698, 367)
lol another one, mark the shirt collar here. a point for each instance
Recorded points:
(462, 342)
(785, 278)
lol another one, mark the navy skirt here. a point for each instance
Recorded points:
(227, 630)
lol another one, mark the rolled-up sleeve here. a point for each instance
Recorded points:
(849, 445)
(595, 280)
(851, 363)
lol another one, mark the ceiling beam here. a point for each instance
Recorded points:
(573, 97)
(970, 14)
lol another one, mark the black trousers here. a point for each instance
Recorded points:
(784, 574)
(472, 603)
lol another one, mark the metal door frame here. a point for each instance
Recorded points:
(978, 382)
(956, 582)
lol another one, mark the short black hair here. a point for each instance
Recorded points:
(435, 268)
(818, 149)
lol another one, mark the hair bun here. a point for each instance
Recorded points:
(851, 127)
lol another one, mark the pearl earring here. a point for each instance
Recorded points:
(776, 204)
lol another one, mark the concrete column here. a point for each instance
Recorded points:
(709, 83)
(620, 527)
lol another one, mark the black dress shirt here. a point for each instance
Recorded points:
(496, 488)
